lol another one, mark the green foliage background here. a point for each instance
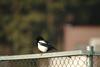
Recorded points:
(21, 21)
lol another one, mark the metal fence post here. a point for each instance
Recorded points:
(90, 56)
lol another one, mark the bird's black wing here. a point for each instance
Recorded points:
(50, 46)
(44, 44)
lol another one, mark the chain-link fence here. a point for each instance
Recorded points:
(78, 58)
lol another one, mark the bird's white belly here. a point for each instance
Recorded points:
(42, 48)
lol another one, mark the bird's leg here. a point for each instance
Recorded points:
(41, 53)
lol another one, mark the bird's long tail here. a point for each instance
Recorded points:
(52, 48)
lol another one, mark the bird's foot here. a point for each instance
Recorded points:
(41, 54)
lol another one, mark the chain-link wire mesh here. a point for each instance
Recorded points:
(70, 61)
(96, 61)
(56, 61)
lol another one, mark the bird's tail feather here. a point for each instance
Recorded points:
(54, 48)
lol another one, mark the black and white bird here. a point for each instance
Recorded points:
(43, 45)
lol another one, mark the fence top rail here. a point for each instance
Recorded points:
(47, 55)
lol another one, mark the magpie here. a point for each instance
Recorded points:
(43, 45)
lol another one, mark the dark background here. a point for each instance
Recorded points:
(22, 21)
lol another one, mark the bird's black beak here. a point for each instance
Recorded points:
(34, 42)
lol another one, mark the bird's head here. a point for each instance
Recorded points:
(39, 38)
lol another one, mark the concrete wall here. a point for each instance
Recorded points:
(77, 37)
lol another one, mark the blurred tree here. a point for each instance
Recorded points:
(21, 19)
